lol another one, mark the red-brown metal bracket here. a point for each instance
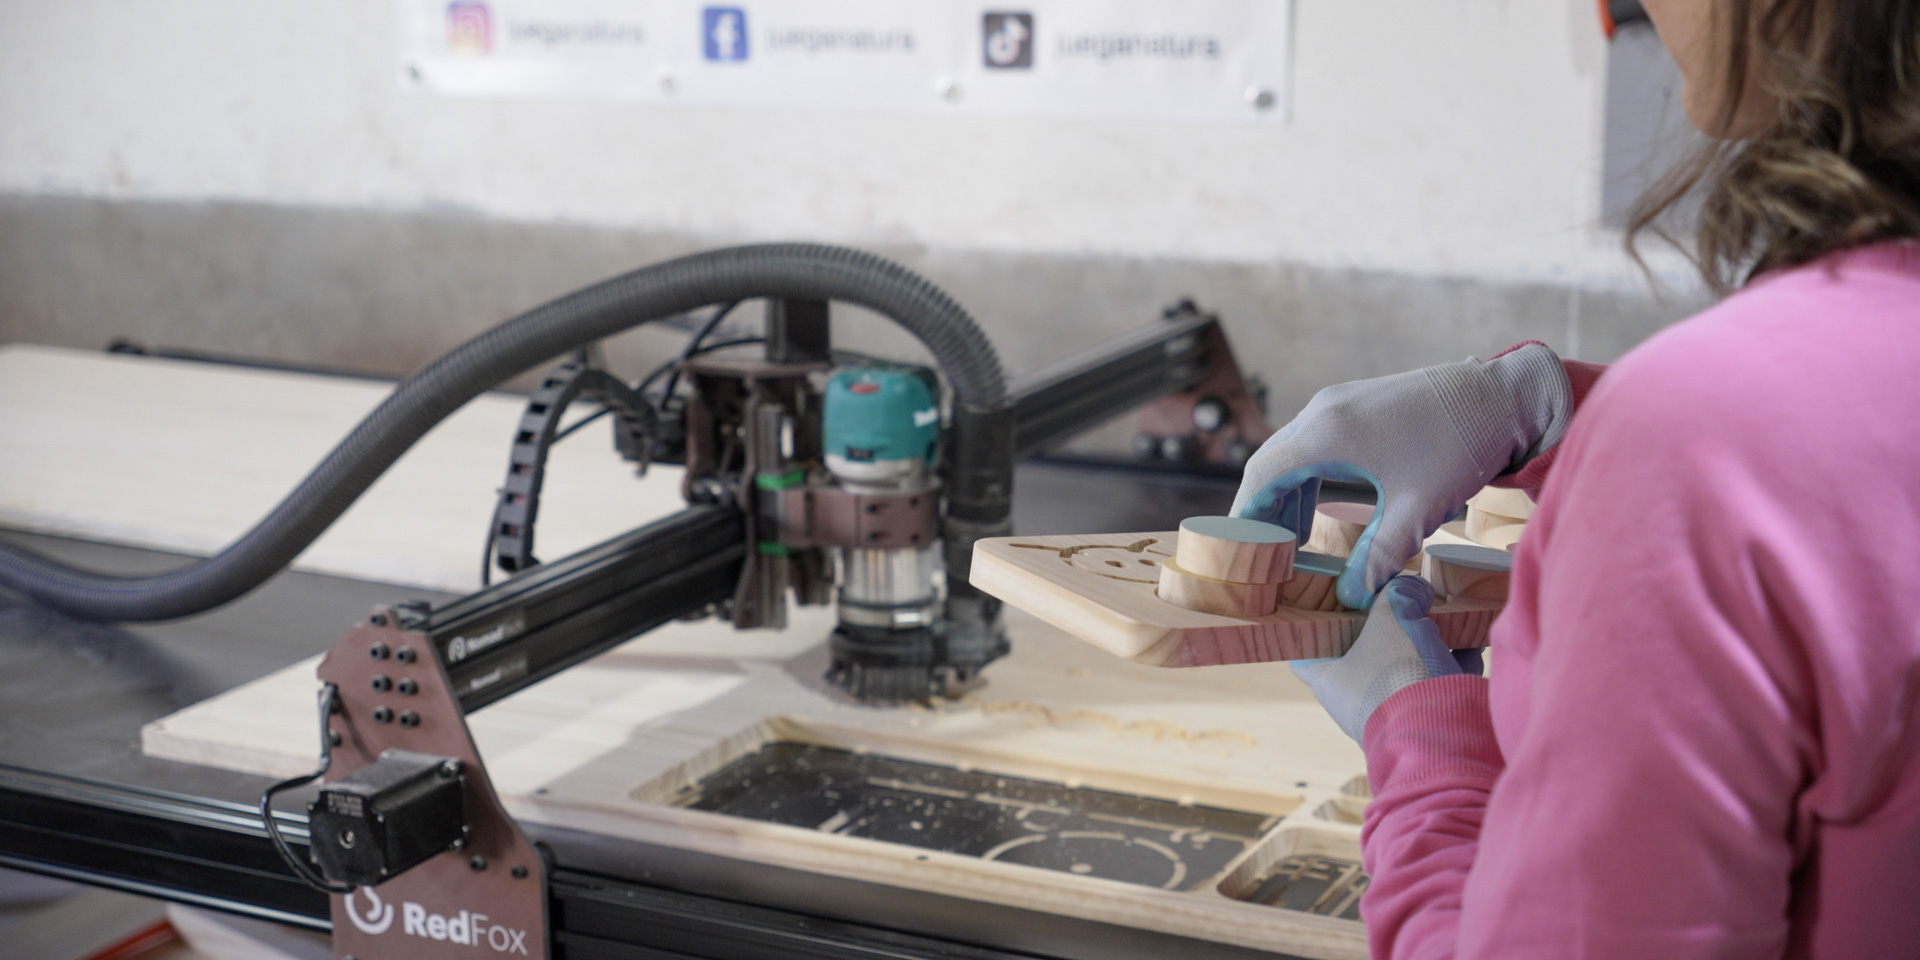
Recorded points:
(486, 899)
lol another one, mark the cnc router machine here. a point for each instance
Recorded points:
(903, 769)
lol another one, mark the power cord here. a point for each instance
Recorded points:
(328, 696)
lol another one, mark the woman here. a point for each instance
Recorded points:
(1702, 738)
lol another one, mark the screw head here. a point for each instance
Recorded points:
(449, 769)
(382, 715)
(334, 738)
(1261, 98)
(409, 719)
(519, 873)
(408, 688)
(1210, 414)
(378, 619)
(478, 862)
(382, 683)
(378, 651)
(405, 655)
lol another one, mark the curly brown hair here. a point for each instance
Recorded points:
(1835, 159)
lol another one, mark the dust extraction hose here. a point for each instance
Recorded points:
(792, 271)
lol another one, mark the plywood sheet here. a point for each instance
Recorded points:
(605, 747)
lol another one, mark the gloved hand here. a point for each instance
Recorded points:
(1427, 440)
(1397, 648)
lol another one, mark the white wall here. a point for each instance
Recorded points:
(1455, 138)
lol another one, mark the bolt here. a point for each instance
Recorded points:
(405, 655)
(409, 719)
(378, 651)
(408, 688)
(382, 683)
(519, 873)
(382, 715)
(459, 843)
(1210, 414)
(449, 769)
(478, 862)
(378, 619)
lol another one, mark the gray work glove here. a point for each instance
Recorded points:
(1427, 440)
(1398, 648)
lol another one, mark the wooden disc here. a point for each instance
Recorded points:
(1471, 573)
(1337, 528)
(1235, 550)
(1243, 600)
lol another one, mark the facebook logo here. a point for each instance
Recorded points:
(725, 33)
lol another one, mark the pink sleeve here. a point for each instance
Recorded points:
(1432, 761)
(1642, 689)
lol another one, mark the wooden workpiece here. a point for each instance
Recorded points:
(1337, 527)
(1468, 573)
(1089, 587)
(1234, 549)
(1226, 566)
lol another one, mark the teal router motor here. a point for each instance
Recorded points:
(881, 434)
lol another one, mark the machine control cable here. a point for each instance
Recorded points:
(328, 695)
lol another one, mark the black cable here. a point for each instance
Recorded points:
(306, 874)
(418, 403)
(658, 372)
(693, 347)
(692, 350)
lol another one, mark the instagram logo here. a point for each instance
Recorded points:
(469, 27)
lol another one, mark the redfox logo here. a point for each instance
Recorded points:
(465, 928)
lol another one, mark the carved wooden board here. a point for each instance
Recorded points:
(1102, 590)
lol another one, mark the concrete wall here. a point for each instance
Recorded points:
(252, 178)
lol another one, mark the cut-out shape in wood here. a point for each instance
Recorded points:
(1227, 565)
(1098, 588)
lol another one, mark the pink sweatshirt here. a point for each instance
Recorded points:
(1700, 735)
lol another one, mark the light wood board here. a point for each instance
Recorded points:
(1092, 587)
(186, 456)
(602, 746)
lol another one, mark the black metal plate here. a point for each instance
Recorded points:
(1115, 836)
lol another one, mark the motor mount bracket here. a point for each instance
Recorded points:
(484, 896)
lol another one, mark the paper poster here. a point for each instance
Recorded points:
(1205, 60)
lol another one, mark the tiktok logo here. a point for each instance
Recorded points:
(1008, 43)
(379, 915)
(724, 32)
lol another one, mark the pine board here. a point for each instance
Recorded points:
(1094, 587)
